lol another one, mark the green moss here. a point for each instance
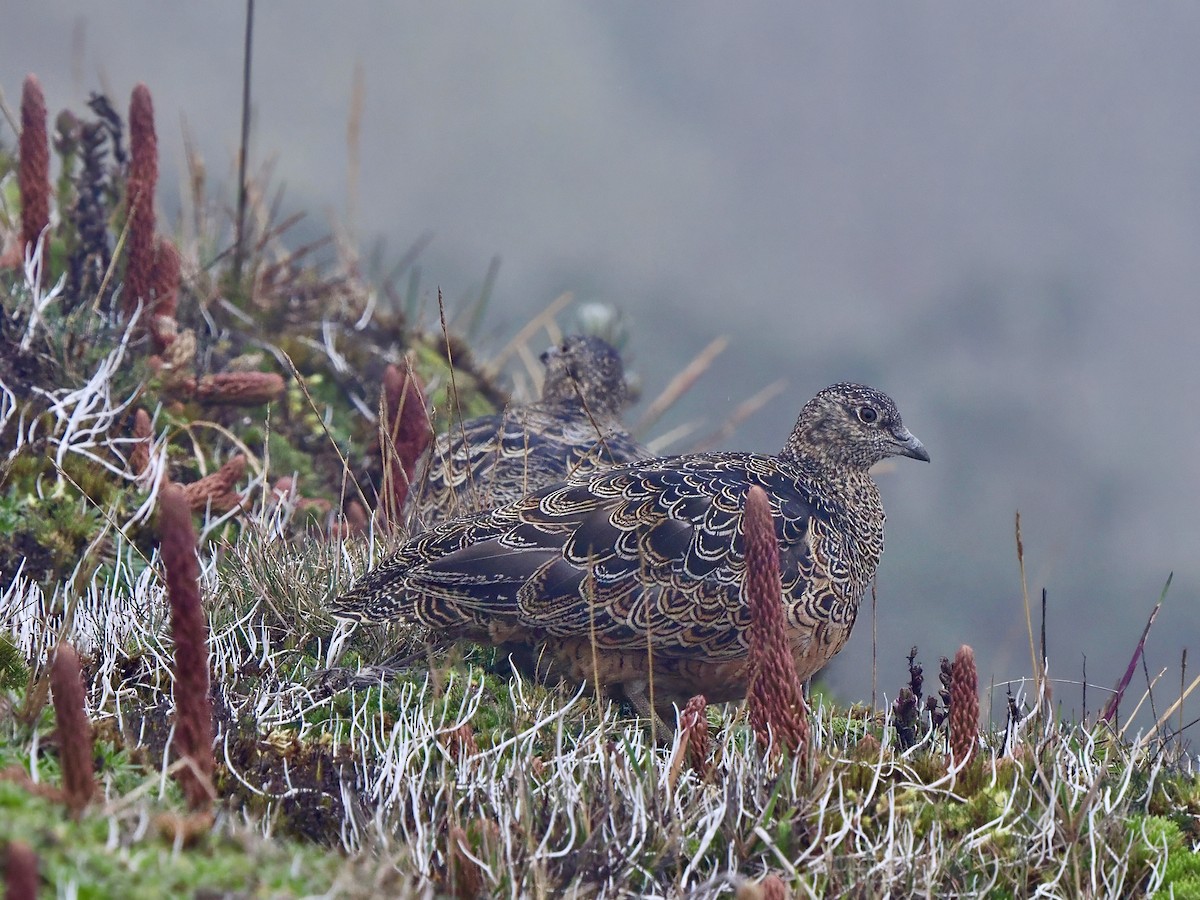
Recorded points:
(13, 671)
(143, 863)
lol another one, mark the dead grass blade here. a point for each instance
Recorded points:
(740, 414)
(681, 384)
(1111, 709)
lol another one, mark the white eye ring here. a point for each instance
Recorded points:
(868, 414)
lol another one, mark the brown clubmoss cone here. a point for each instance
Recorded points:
(20, 872)
(238, 388)
(770, 888)
(404, 433)
(143, 179)
(74, 731)
(33, 175)
(964, 706)
(166, 294)
(216, 490)
(774, 693)
(693, 728)
(466, 878)
(460, 742)
(139, 456)
(773, 888)
(189, 631)
(357, 518)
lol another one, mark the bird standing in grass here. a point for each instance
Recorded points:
(633, 578)
(573, 430)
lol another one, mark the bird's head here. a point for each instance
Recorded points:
(852, 425)
(588, 370)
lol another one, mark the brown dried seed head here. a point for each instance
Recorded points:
(143, 432)
(357, 519)
(964, 705)
(466, 878)
(20, 872)
(189, 630)
(693, 725)
(217, 490)
(161, 316)
(774, 693)
(460, 742)
(404, 433)
(143, 180)
(33, 174)
(773, 888)
(74, 729)
(770, 888)
(239, 388)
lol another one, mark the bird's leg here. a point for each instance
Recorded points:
(635, 693)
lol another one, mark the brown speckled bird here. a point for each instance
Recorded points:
(572, 431)
(633, 578)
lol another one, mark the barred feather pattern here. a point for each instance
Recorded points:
(639, 570)
(574, 430)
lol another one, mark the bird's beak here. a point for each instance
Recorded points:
(548, 354)
(908, 445)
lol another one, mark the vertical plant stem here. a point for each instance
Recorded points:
(243, 152)
(1037, 672)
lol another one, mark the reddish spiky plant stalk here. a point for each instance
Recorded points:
(460, 742)
(143, 433)
(166, 293)
(773, 888)
(239, 388)
(20, 872)
(216, 490)
(193, 708)
(466, 878)
(143, 179)
(404, 433)
(33, 176)
(357, 519)
(964, 706)
(74, 730)
(693, 727)
(774, 692)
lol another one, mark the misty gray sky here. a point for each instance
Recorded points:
(990, 211)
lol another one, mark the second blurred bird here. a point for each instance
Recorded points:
(574, 429)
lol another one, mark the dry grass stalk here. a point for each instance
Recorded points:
(404, 433)
(20, 872)
(964, 706)
(143, 179)
(681, 383)
(216, 490)
(774, 695)
(189, 631)
(75, 745)
(33, 175)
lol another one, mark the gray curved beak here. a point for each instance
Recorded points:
(908, 445)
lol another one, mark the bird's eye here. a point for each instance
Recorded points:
(867, 414)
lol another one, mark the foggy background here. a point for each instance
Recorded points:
(991, 212)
